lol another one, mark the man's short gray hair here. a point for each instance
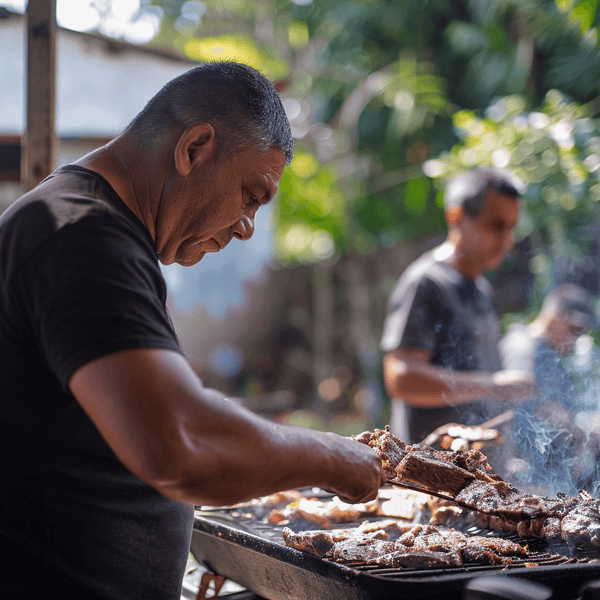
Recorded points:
(239, 102)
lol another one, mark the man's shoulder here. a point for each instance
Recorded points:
(426, 266)
(64, 197)
(428, 270)
(63, 208)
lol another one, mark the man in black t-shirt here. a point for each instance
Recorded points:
(107, 435)
(440, 337)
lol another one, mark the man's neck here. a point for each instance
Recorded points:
(459, 260)
(111, 162)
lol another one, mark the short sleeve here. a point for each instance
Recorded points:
(413, 317)
(89, 290)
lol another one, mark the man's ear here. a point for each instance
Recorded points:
(454, 215)
(195, 145)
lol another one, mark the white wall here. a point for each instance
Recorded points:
(101, 84)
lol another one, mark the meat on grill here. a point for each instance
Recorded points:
(321, 542)
(500, 505)
(422, 546)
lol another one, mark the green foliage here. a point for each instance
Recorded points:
(239, 48)
(555, 150)
(309, 215)
(383, 78)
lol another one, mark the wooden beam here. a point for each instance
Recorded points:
(39, 143)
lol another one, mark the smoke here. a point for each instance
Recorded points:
(547, 452)
(562, 458)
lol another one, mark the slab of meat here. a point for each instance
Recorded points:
(418, 559)
(469, 479)
(390, 449)
(437, 470)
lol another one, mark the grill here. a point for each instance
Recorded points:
(254, 555)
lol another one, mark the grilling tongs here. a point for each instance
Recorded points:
(524, 516)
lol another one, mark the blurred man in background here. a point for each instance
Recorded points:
(108, 437)
(440, 338)
(557, 454)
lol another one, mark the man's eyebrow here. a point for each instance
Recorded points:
(268, 191)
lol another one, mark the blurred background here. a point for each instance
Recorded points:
(387, 100)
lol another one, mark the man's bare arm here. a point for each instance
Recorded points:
(194, 445)
(409, 375)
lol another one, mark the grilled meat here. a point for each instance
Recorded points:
(421, 546)
(318, 542)
(321, 542)
(390, 449)
(437, 470)
(360, 548)
(419, 559)
(581, 526)
(469, 479)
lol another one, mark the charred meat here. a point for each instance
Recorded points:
(321, 542)
(468, 478)
(421, 546)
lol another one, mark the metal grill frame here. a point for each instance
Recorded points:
(278, 572)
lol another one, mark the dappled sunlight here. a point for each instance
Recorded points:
(239, 48)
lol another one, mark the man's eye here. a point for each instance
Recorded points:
(252, 199)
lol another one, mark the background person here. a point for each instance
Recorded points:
(556, 453)
(440, 337)
(108, 436)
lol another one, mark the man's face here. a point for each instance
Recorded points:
(216, 202)
(488, 236)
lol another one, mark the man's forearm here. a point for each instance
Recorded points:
(235, 455)
(429, 386)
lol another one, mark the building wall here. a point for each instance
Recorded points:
(101, 84)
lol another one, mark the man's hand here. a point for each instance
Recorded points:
(360, 471)
(514, 386)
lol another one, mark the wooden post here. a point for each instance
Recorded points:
(38, 149)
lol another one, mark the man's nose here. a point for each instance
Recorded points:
(244, 228)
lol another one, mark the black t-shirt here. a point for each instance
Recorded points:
(79, 279)
(435, 308)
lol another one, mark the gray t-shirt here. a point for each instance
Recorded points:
(435, 308)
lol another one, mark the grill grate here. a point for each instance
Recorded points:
(533, 560)
(541, 551)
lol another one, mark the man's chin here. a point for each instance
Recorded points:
(190, 262)
(494, 263)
